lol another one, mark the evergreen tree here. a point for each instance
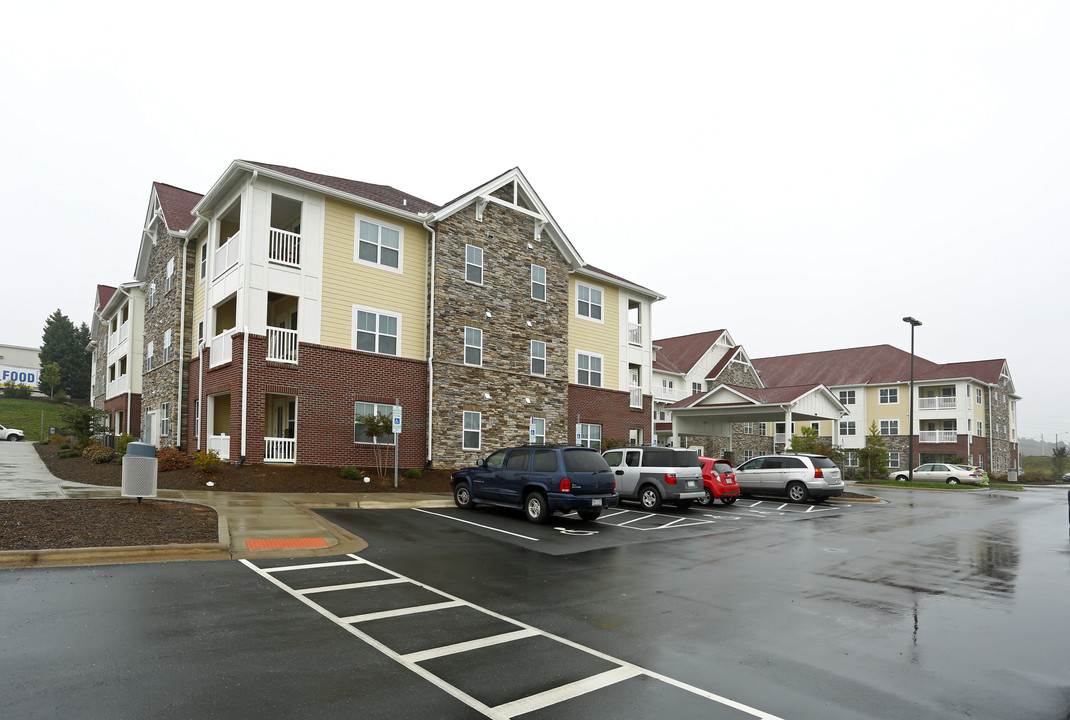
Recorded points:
(65, 345)
(873, 458)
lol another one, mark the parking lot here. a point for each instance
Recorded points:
(628, 523)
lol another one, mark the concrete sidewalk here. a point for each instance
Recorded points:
(251, 525)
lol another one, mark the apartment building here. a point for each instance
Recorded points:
(282, 306)
(116, 344)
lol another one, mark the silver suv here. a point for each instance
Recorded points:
(799, 476)
(652, 475)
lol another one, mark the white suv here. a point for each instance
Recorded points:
(11, 434)
(799, 476)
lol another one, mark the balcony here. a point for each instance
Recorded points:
(937, 403)
(282, 345)
(119, 386)
(221, 348)
(118, 337)
(284, 247)
(280, 450)
(671, 395)
(226, 256)
(221, 444)
(938, 436)
(635, 334)
(635, 394)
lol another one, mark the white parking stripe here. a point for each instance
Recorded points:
(398, 612)
(350, 586)
(641, 517)
(312, 566)
(470, 645)
(468, 522)
(522, 705)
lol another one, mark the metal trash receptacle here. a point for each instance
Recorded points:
(139, 470)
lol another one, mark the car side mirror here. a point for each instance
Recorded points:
(482, 463)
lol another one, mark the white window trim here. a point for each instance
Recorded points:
(377, 409)
(480, 265)
(378, 265)
(540, 284)
(533, 358)
(534, 434)
(895, 465)
(880, 427)
(848, 397)
(203, 261)
(585, 434)
(848, 427)
(602, 305)
(880, 401)
(478, 430)
(464, 357)
(377, 311)
(601, 372)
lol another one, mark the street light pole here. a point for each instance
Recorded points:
(910, 433)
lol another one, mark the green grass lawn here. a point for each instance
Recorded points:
(938, 486)
(26, 416)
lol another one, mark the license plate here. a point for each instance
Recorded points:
(597, 502)
(691, 483)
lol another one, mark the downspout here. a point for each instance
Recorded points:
(129, 385)
(200, 389)
(181, 342)
(430, 342)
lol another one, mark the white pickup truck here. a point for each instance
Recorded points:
(11, 434)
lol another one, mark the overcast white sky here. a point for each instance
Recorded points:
(802, 174)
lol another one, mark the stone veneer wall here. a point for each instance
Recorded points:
(515, 319)
(100, 357)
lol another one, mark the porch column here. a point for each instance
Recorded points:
(787, 428)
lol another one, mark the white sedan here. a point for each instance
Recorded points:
(11, 434)
(943, 472)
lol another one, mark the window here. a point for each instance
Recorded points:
(589, 302)
(378, 243)
(889, 427)
(538, 357)
(980, 428)
(893, 461)
(538, 282)
(850, 459)
(588, 369)
(761, 428)
(847, 427)
(167, 345)
(847, 397)
(473, 426)
(360, 432)
(538, 431)
(978, 396)
(148, 355)
(169, 278)
(889, 396)
(200, 331)
(473, 264)
(747, 455)
(661, 415)
(204, 259)
(815, 426)
(197, 418)
(590, 435)
(151, 302)
(473, 346)
(165, 419)
(748, 428)
(696, 388)
(375, 331)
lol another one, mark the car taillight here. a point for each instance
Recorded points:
(565, 486)
(818, 473)
(670, 478)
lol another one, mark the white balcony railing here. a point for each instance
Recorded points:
(221, 348)
(664, 394)
(635, 334)
(284, 247)
(938, 436)
(635, 396)
(280, 450)
(780, 438)
(221, 444)
(227, 254)
(944, 402)
(118, 337)
(118, 386)
(282, 345)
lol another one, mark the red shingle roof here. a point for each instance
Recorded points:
(679, 354)
(611, 276)
(383, 194)
(723, 362)
(984, 370)
(104, 293)
(177, 205)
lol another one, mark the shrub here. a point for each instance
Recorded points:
(122, 441)
(68, 453)
(89, 449)
(104, 455)
(17, 390)
(171, 458)
(350, 473)
(61, 395)
(413, 474)
(207, 462)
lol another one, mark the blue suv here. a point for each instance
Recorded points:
(540, 479)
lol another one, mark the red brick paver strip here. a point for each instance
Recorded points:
(282, 543)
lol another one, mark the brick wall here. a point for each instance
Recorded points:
(609, 408)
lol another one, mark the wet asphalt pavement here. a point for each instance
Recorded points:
(945, 605)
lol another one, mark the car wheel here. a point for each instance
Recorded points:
(952, 481)
(728, 500)
(707, 497)
(589, 515)
(13, 438)
(462, 495)
(535, 507)
(901, 478)
(684, 504)
(797, 492)
(650, 498)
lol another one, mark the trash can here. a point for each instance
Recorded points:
(139, 471)
(1012, 475)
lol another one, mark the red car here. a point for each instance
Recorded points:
(719, 481)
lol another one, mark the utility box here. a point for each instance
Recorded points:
(139, 470)
(1012, 475)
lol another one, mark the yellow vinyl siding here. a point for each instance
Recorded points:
(347, 283)
(589, 336)
(199, 286)
(877, 412)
